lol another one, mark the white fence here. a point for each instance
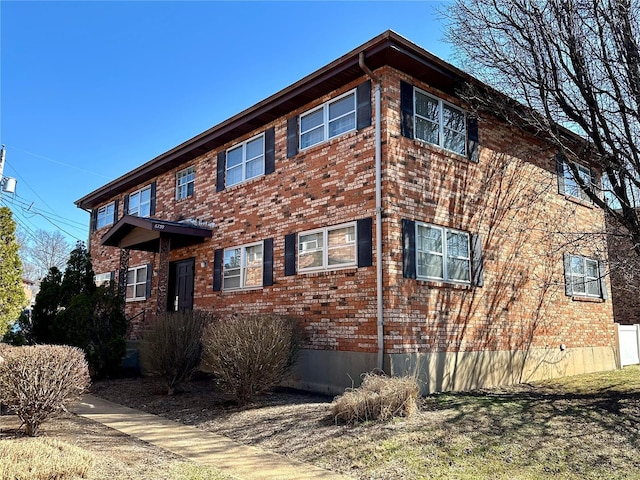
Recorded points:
(629, 336)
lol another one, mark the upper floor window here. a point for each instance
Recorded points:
(584, 277)
(439, 122)
(140, 202)
(245, 161)
(568, 184)
(327, 248)
(106, 215)
(328, 120)
(442, 253)
(185, 181)
(137, 279)
(242, 267)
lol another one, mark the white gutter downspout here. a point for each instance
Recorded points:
(380, 312)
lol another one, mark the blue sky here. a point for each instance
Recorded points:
(91, 90)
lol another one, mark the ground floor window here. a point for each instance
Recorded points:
(442, 253)
(137, 283)
(242, 267)
(327, 248)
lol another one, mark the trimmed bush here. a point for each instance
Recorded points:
(171, 348)
(43, 459)
(37, 382)
(250, 355)
(378, 398)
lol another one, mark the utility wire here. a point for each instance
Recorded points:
(48, 220)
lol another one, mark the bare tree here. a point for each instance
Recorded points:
(574, 68)
(43, 251)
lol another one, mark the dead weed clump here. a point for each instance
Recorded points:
(42, 459)
(379, 398)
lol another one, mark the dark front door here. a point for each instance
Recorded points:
(181, 286)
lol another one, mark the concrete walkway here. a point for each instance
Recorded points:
(242, 461)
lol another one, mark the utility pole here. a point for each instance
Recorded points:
(7, 184)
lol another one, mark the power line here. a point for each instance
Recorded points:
(58, 162)
(48, 220)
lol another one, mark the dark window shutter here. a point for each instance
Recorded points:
(292, 137)
(152, 207)
(477, 264)
(222, 158)
(125, 208)
(270, 151)
(408, 248)
(363, 99)
(568, 286)
(603, 280)
(406, 110)
(115, 211)
(560, 172)
(149, 279)
(94, 219)
(365, 247)
(267, 262)
(112, 281)
(290, 254)
(473, 151)
(217, 270)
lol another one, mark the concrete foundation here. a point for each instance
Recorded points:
(330, 372)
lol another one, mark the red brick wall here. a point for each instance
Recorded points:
(510, 198)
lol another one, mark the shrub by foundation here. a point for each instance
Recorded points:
(250, 355)
(378, 398)
(42, 459)
(172, 348)
(37, 382)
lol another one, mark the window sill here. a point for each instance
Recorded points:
(131, 300)
(324, 143)
(443, 284)
(320, 272)
(577, 298)
(188, 197)
(440, 150)
(243, 182)
(578, 201)
(241, 290)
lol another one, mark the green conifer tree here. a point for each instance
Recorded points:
(12, 296)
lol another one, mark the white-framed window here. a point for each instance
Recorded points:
(245, 161)
(242, 267)
(439, 122)
(571, 186)
(442, 254)
(106, 215)
(140, 202)
(584, 276)
(329, 120)
(185, 181)
(102, 279)
(137, 283)
(327, 248)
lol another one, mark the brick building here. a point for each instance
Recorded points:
(405, 231)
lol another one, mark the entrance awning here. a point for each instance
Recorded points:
(138, 233)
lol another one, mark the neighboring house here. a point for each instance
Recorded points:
(625, 275)
(452, 265)
(31, 289)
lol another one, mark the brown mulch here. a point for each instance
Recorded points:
(286, 421)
